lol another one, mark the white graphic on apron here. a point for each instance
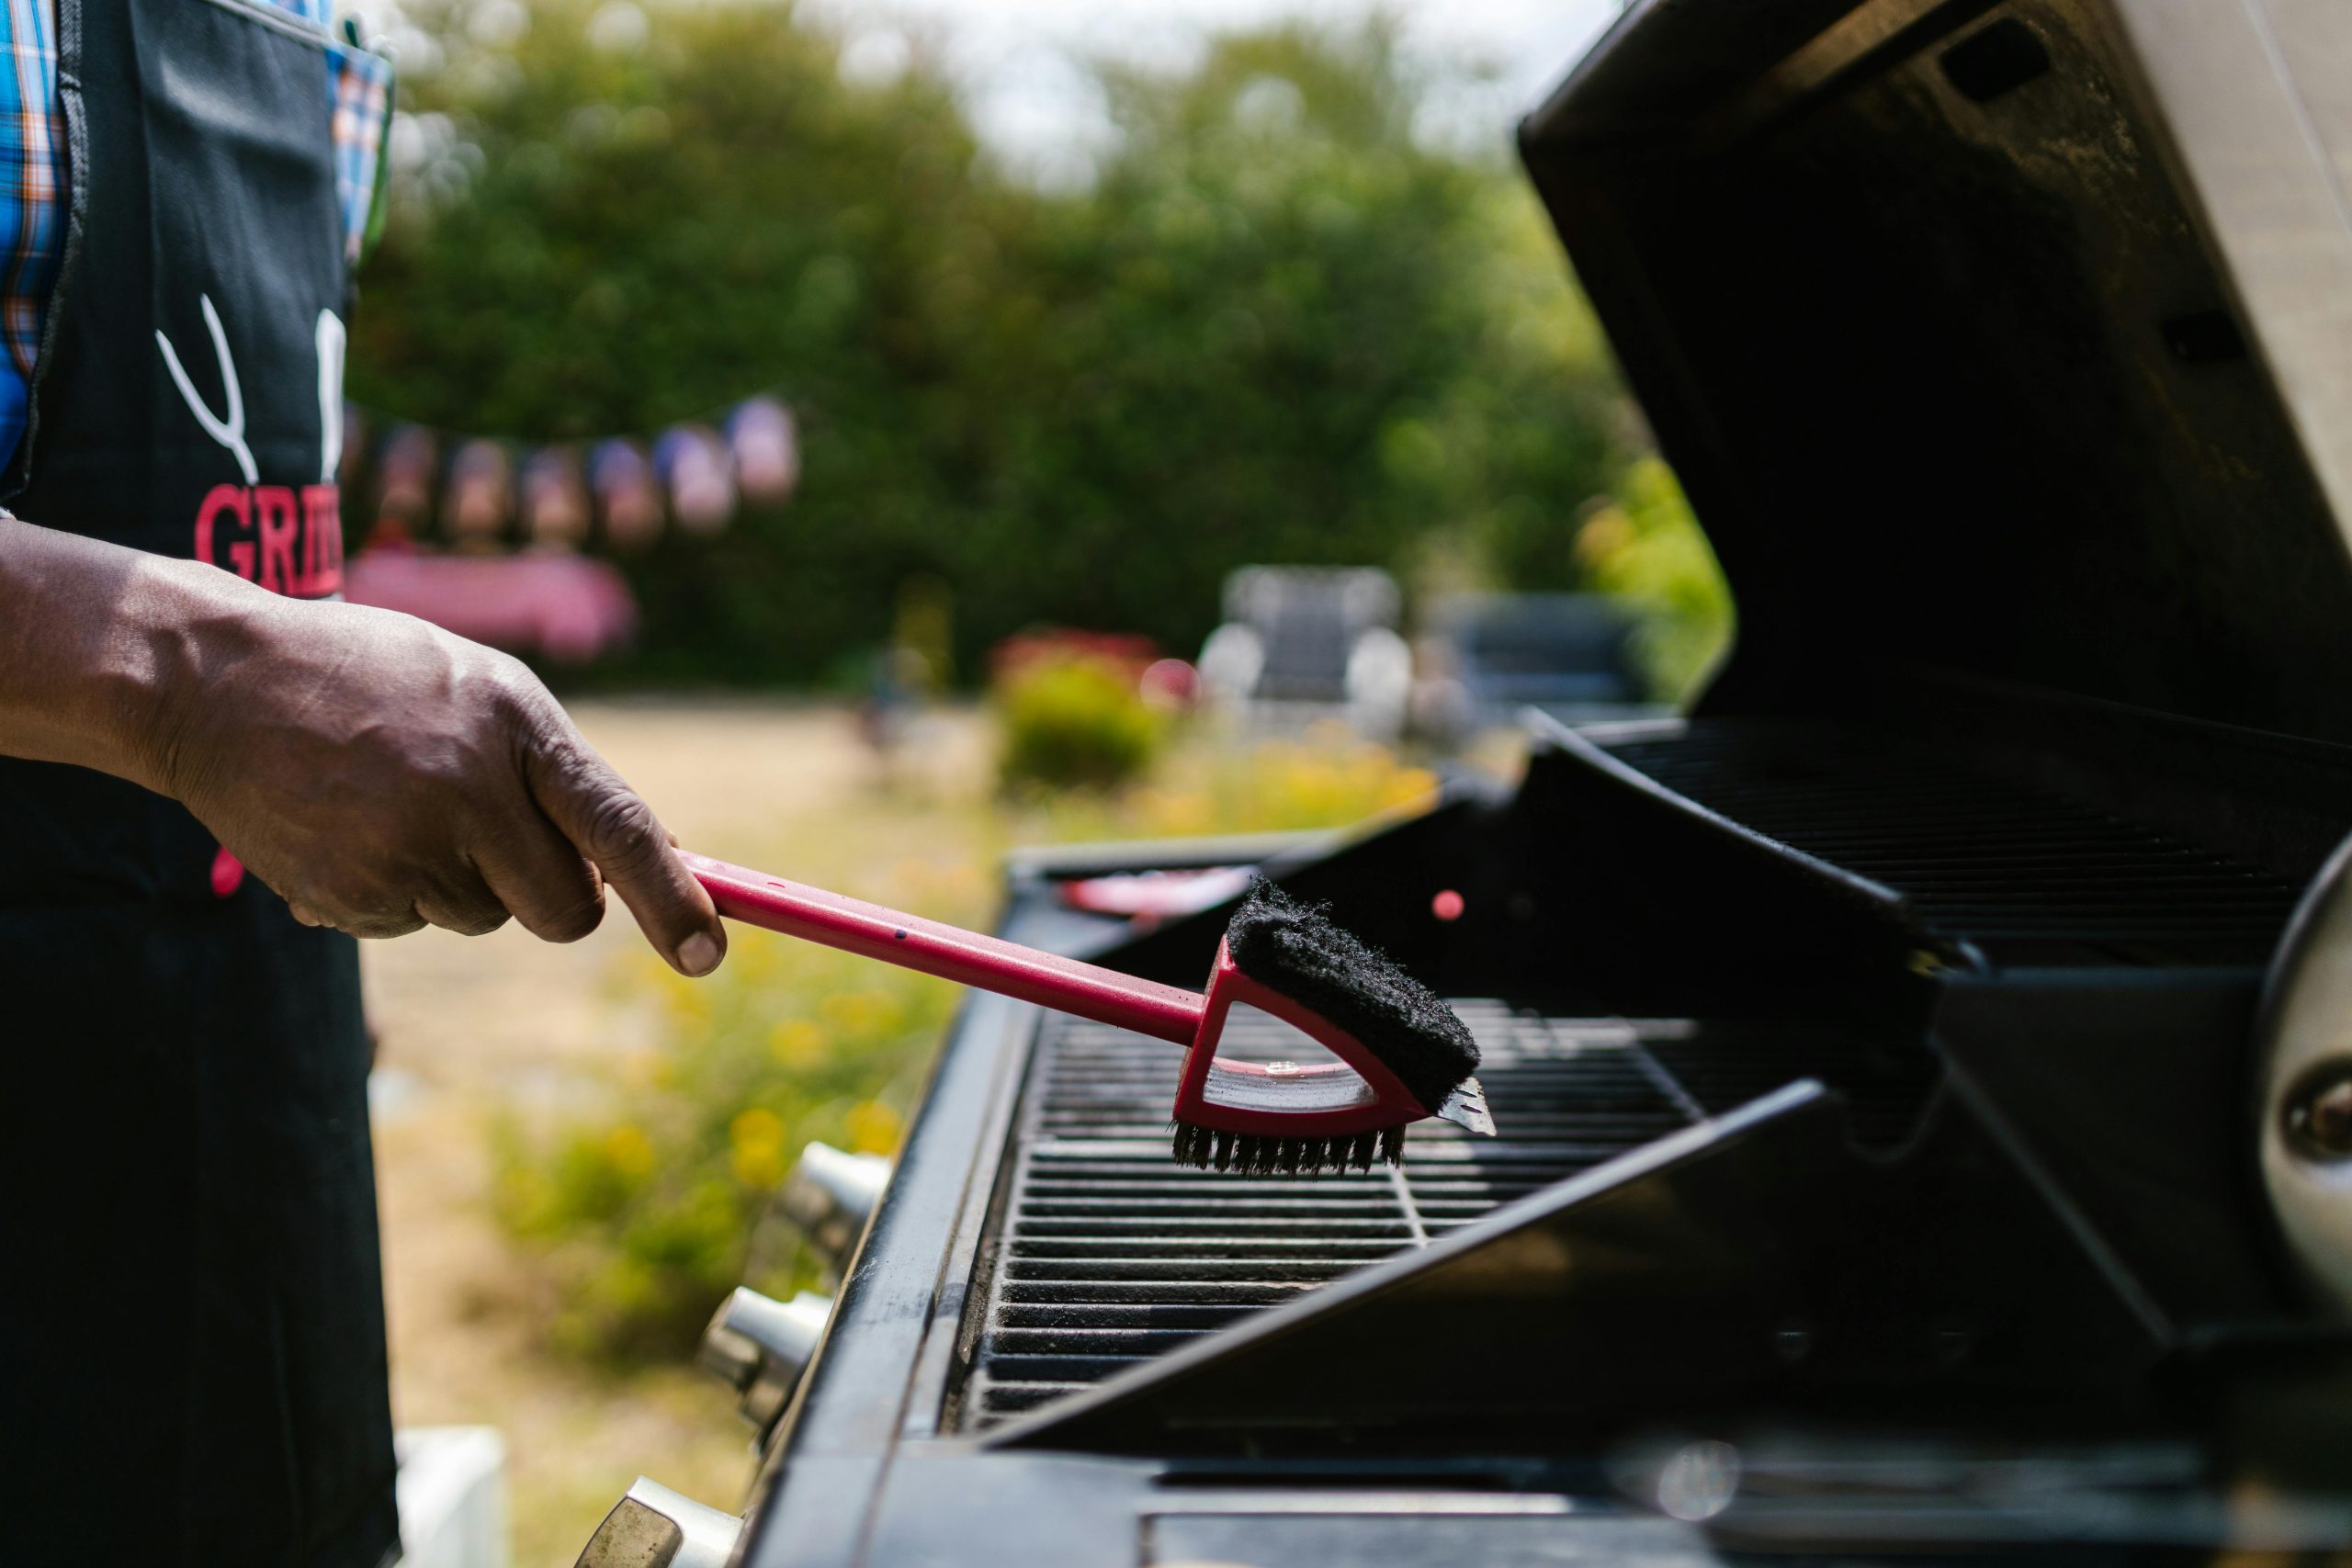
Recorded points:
(288, 539)
(230, 431)
(330, 341)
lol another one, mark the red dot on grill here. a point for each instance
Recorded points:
(1447, 905)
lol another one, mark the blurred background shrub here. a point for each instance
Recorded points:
(1277, 324)
(1074, 719)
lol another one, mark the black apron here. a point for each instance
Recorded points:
(192, 1365)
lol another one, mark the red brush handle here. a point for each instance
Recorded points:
(1167, 1013)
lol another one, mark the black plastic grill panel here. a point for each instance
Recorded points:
(1109, 1253)
(1978, 859)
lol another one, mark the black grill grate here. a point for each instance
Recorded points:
(1108, 1253)
(1976, 857)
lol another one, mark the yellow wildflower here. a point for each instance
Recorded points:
(628, 1150)
(756, 1127)
(757, 1165)
(874, 1128)
(797, 1043)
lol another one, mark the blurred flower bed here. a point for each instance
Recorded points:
(644, 1212)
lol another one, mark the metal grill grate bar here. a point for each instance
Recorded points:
(1108, 1255)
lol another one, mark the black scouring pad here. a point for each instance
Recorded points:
(1295, 949)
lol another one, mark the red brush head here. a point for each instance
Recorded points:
(1289, 1116)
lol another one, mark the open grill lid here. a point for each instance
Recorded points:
(2010, 341)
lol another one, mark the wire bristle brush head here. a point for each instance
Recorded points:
(1259, 1153)
(1403, 1053)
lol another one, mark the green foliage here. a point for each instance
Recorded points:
(1074, 721)
(1276, 327)
(1646, 546)
(644, 1216)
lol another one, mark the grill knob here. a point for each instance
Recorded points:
(830, 1195)
(759, 1346)
(653, 1526)
(2306, 1085)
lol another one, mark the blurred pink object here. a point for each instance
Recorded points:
(569, 608)
(626, 496)
(1169, 683)
(554, 502)
(228, 873)
(693, 465)
(1152, 895)
(767, 445)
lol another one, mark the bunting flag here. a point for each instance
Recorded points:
(554, 500)
(491, 539)
(406, 485)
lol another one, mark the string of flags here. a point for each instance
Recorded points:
(407, 485)
(493, 539)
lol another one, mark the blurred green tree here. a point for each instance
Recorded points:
(1279, 325)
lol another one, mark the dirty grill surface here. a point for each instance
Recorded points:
(2027, 873)
(1109, 1254)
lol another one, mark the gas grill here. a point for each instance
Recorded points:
(1924, 1102)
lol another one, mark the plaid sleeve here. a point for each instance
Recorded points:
(32, 187)
(359, 86)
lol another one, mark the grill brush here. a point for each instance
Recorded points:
(1402, 1052)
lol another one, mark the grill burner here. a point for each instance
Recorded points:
(1109, 1255)
(1975, 859)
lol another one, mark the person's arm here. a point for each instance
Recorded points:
(380, 774)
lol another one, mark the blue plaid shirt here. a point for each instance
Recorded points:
(32, 174)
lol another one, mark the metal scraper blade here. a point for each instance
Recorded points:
(1467, 1109)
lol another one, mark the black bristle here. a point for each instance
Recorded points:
(1295, 949)
(1254, 1154)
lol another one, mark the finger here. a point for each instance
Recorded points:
(617, 832)
(534, 870)
(377, 925)
(466, 919)
(329, 913)
(453, 896)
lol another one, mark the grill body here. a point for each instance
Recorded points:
(1870, 1051)
(1023, 1344)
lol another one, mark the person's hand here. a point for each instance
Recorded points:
(381, 774)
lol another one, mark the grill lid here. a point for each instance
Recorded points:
(2007, 339)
